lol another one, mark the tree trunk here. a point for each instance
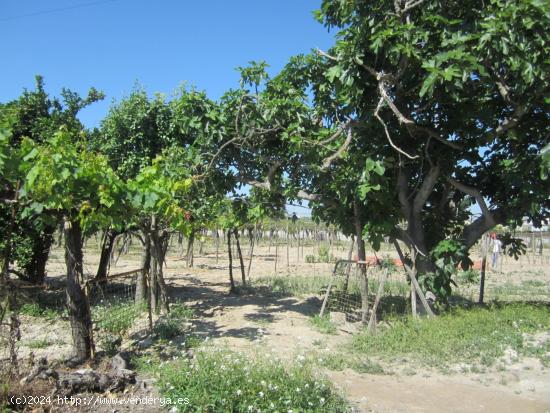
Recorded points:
(217, 245)
(239, 252)
(77, 303)
(141, 286)
(350, 253)
(484, 248)
(232, 289)
(250, 252)
(287, 249)
(180, 245)
(364, 283)
(158, 247)
(107, 244)
(35, 270)
(189, 254)
(276, 253)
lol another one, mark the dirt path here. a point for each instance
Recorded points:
(396, 394)
(281, 325)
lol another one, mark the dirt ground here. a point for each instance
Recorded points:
(267, 323)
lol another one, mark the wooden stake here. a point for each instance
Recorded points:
(412, 277)
(372, 321)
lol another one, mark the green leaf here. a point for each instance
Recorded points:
(333, 73)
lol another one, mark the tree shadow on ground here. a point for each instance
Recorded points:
(209, 300)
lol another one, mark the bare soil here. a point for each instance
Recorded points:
(281, 324)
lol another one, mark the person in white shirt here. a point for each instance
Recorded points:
(497, 247)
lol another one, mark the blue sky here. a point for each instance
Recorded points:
(112, 44)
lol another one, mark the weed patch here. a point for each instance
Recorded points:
(323, 324)
(37, 310)
(295, 285)
(477, 335)
(222, 381)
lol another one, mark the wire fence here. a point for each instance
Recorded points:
(359, 288)
(119, 309)
(34, 318)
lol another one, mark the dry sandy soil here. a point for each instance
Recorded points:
(260, 323)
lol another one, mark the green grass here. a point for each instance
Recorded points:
(294, 285)
(169, 326)
(527, 290)
(39, 343)
(37, 310)
(477, 335)
(223, 381)
(114, 321)
(339, 361)
(116, 318)
(323, 324)
(180, 311)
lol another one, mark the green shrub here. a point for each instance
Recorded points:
(222, 381)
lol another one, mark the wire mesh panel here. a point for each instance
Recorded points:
(348, 291)
(21, 305)
(119, 309)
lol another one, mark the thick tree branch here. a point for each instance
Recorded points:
(403, 192)
(512, 121)
(473, 232)
(411, 5)
(477, 196)
(426, 188)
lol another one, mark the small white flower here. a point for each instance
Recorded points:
(250, 408)
(298, 390)
(271, 405)
(261, 394)
(239, 392)
(322, 401)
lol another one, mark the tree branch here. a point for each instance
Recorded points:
(388, 137)
(339, 153)
(411, 5)
(426, 188)
(478, 197)
(512, 121)
(409, 123)
(403, 192)
(480, 226)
